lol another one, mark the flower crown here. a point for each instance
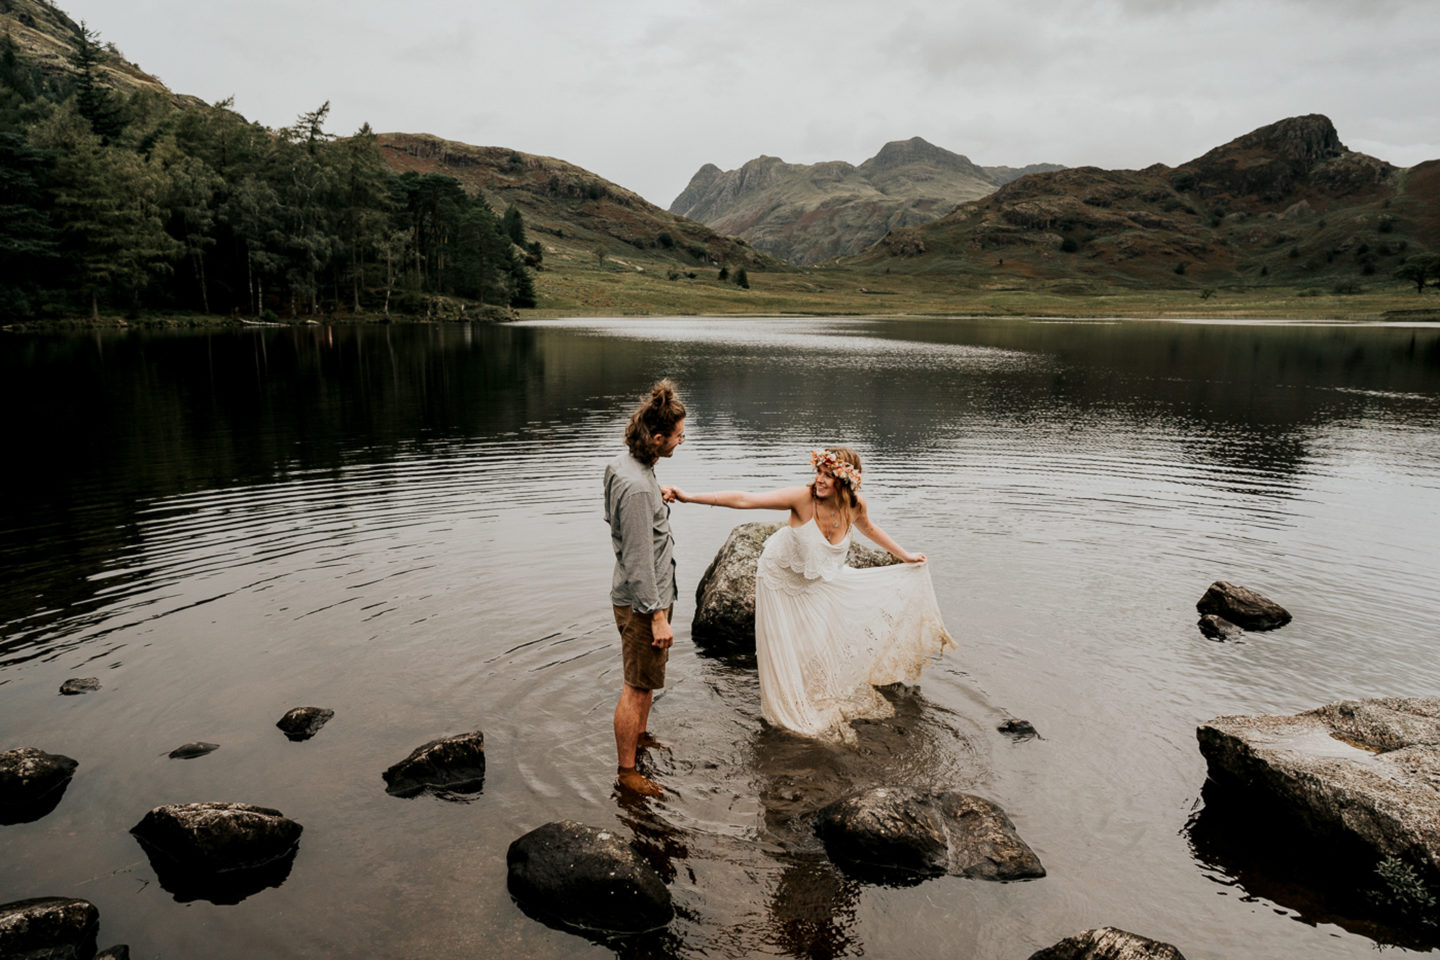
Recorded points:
(846, 473)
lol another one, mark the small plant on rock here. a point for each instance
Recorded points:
(1401, 891)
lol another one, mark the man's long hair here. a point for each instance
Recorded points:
(659, 413)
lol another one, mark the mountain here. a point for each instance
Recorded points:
(576, 213)
(1287, 202)
(808, 213)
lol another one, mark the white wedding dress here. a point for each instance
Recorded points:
(826, 634)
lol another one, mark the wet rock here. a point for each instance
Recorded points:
(1018, 730)
(583, 877)
(1242, 607)
(32, 783)
(78, 685)
(120, 951)
(193, 749)
(1362, 777)
(1217, 627)
(1108, 943)
(725, 597)
(221, 852)
(451, 765)
(48, 927)
(898, 833)
(302, 723)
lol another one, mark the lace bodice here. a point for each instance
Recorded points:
(795, 556)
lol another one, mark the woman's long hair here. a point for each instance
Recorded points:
(844, 493)
(659, 413)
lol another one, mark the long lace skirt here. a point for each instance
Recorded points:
(823, 645)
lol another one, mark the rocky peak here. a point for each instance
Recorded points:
(1301, 142)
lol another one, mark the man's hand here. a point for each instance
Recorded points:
(661, 635)
(667, 493)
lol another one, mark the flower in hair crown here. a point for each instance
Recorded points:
(845, 472)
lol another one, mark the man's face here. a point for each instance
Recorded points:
(666, 443)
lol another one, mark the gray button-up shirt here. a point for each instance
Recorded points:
(639, 521)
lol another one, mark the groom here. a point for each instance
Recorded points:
(642, 590)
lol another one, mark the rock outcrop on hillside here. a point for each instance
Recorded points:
(807, 213)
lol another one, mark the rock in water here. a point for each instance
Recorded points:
(221, 852)
(897, 833)
(32, 783)
(78, 685)
(48, 927)
(725, 597)
(1242, 607)
(120, 951)
(448, 765)
(302, 723)
(1218, 628)
(587, 878)
(1108, 943)
(193, 749)
(1018, 730)
(1362, 776)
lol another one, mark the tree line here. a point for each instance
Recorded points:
(127, 203)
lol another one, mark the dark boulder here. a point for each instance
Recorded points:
(302, 723)
(448, 766)
(901, 833)
(193, 749)
(582, 877)
(1018, 730)
(1359, 779)
(61, 928)
(1108, 943)
(725, 597)
(1217, 627)
(32, 783)
(221, 852)
(1242, 607)
(120, 951)
(78, 685)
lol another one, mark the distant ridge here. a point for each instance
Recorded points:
(809, 213)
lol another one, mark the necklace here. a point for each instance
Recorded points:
(834, 523)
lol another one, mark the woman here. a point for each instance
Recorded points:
(826, 634)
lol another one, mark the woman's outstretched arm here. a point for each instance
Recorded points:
(865, 525)
(786, 498)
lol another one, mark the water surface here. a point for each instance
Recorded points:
(403, 524)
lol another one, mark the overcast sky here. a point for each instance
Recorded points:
(644, 93)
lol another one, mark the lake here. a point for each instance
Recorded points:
(403, 524)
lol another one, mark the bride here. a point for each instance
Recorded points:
(826, 634)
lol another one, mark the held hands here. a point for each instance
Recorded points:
(672, 494)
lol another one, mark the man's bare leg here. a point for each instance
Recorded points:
(631, 715)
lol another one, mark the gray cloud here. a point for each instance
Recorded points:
(643, 93)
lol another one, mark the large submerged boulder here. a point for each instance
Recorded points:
(1362, 777)
(1108, 943)
(725, 597)
(48, 927)
(448, 766)
(221, 852)
(583, 877)
(897, 833)
(1242, 607)
(32, 783)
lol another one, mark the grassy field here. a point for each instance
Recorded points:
(618, 288)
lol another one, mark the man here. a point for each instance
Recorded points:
(643, 588)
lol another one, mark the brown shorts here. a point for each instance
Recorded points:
(644, 663)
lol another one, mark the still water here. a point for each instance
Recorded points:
(403, 524)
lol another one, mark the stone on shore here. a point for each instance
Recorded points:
(583, 877)
(78, 685)
(452, 765)
(1362, 777)
(193, 749)
(725, 597)
(1243, 607)
(302, 723)
(901, 832)
(48, 927)
(1108, 943)
(32, 783)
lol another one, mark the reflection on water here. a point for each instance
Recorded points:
(403, 523)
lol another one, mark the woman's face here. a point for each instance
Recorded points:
(824, 484)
